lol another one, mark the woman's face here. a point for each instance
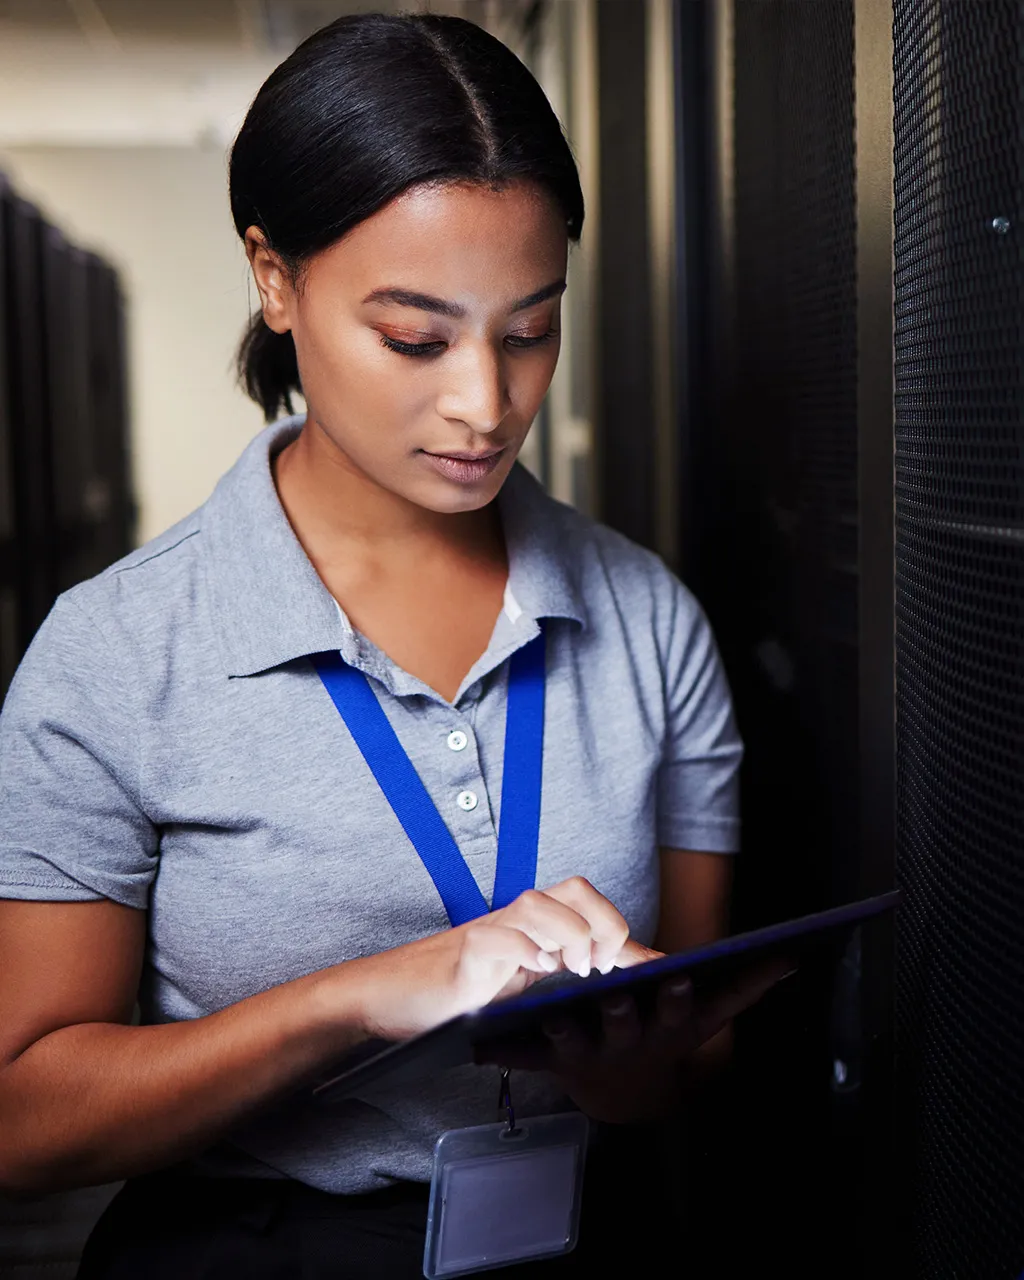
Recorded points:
(427, 336)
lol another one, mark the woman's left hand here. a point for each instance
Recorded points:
(638, 1069)
(634, 1070)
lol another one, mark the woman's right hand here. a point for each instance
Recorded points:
(87, 1098)
(412, 988)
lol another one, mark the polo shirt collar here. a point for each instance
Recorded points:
(542, 577)
(269, 604)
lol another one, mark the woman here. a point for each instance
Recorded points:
(187, 820)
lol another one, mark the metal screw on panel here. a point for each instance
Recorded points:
(1001, 225)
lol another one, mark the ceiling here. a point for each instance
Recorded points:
(249, 23)
(167, 72)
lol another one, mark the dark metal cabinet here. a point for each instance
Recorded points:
(66, 508)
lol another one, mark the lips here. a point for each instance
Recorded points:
(466, 457)
(465, 468)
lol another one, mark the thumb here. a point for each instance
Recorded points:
(634, 952)
(744, 989)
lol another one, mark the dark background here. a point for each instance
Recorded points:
(852, 512)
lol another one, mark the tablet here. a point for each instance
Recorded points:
(519, 1018)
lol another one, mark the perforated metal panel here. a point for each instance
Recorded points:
(793, 435)
(781, 582)
(959, 257)
(796, 260)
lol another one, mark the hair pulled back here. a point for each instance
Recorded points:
(366, 108)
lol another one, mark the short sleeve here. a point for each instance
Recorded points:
(698, 780)
(72, 824)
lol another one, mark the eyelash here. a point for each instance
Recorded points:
(433, 348)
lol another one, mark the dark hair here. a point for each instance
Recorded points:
(366, 108)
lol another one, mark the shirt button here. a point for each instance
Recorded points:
(467, 801)
(457, 740)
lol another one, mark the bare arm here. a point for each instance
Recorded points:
(695, 894)
(695, 890)
(86, 1098)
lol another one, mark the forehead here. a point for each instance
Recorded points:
(462, 242)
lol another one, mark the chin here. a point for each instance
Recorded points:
(447, 499)
(450, 498)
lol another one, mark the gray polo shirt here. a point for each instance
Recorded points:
(167, 743)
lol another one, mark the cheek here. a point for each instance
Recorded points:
(346, 372)
(530, 378)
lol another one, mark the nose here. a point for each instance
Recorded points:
(476, 389)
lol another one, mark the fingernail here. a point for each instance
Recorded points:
(606, 968)
(584, 969)
(547, 961)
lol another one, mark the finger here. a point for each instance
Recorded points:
(634, 952)
(744, 990)
(620, 1025)
(674, 1005)
(608, 928)
(749, 985)
(554, 926)
(674, 1025)
(570, 1046)
(492, 944)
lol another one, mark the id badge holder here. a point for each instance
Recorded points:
(504, 1193)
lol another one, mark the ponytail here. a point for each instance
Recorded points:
(268, 368)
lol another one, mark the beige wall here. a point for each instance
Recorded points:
(161, 215)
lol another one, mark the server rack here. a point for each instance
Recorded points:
(959, 498)
(776, 535)
(66, 323)
(28, 417)
(108, 501)
(66, 507)
(9, 640)
(861, 547)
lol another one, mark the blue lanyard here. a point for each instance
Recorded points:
(520, 789)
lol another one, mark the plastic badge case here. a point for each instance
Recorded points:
(498, 1197)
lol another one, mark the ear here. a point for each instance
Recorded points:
(273, 281)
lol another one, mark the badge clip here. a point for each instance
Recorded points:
(505, 1104)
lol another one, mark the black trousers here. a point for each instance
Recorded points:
(167, 1226)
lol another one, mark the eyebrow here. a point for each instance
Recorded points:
(442, 307)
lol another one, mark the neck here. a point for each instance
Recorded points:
(331, 504)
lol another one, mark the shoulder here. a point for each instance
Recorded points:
(168, 554)
(144, 590)
(117, 623)
(156, 587)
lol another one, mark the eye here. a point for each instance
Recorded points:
(515, 340)
(411, 348)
